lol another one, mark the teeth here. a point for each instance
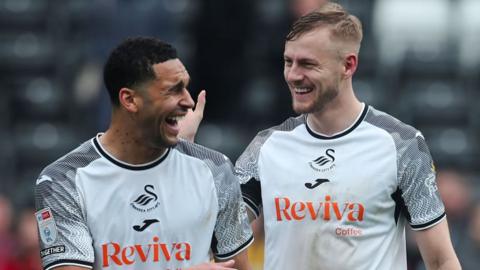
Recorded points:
(302, 90)
(176, 118)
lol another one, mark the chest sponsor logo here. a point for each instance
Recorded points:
(328, 210)
(146, 201)
(46, 226)
(114, 254)
(324, 162)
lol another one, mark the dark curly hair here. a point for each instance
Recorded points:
(130, 64)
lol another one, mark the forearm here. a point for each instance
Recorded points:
(451, 263)
(241, 261)
(436, 248)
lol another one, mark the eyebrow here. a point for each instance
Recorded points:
(179, 85)
(303, 60)
(307, 61)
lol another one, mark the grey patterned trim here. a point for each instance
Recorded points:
(59, 193)
(232, 230)
(246, 165)
(415, 173)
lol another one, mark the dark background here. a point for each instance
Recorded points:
(419, 61)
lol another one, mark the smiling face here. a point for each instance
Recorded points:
(313, 70)
(162, 102)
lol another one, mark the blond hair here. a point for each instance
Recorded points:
(344, 26)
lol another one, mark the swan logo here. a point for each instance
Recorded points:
(325, 162)
(147, 201)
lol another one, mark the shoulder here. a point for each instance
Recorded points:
(218, 164)
(57, 181)
(390, 124)
(288, 125)
(63, 167)
(409, 141)
(201, 152)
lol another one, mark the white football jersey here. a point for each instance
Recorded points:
(340, 202)
(174, 212)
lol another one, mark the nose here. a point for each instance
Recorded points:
(293, 74)
(186, 101)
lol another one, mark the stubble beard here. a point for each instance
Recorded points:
(320, 102)
(153, 134)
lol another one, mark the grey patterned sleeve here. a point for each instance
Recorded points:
(418, 185)
(232, 231)
(64, 236)
(246, 169)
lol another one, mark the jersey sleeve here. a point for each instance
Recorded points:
(418, 186)
(232, 232)
(64, 236)
(246, 169)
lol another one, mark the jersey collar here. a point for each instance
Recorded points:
(135, 167)
(341, 133)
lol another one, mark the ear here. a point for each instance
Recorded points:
(129, 99)
(350, 65)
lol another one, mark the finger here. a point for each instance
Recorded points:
(201, 100)
(228, 263)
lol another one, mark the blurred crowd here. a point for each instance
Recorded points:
(19, 248)
(234, 50)
(462, 205)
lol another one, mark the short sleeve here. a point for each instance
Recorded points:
(64, 236)
(232, 232)
(418, 186)
(246, 169)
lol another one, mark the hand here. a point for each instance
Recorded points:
(214, 266)
(189, 125)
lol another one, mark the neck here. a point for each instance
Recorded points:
(123, 141)
(337, 115)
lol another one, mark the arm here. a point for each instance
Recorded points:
(251, 215)
(214, 266)
(189, 125)
(237, 262)
(59, 216)
(423, 205)
(436, 247)
(241, 261)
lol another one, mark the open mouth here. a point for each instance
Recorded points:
(173, 120)
(302, 90)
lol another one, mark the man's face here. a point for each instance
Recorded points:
(312, 70)
(163, 101)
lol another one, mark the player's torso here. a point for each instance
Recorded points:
(327, 201)
(145, 219)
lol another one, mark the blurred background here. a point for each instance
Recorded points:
(420, 62)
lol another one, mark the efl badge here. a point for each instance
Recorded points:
(46, 226)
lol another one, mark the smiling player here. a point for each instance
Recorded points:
(136, 197)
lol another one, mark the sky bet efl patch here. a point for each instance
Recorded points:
(46, 226)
